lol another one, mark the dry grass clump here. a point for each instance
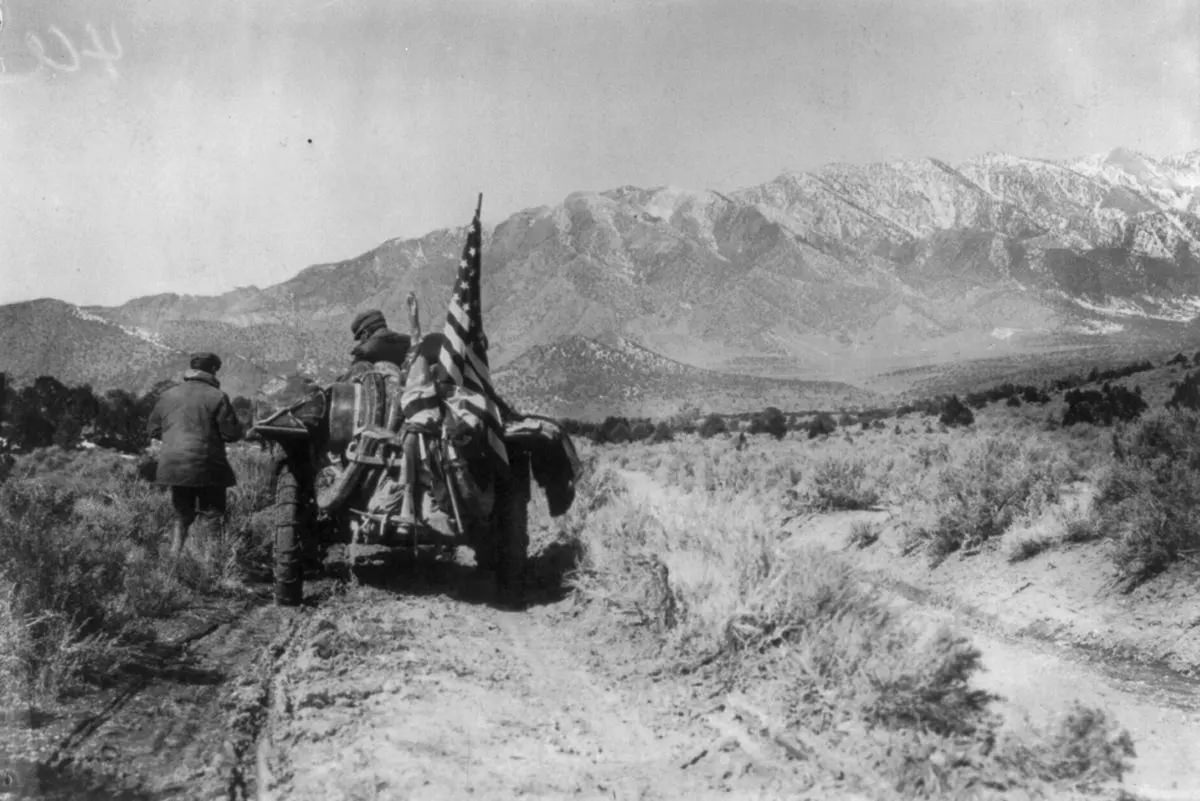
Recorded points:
(851, 654)
(1029, 547)
(864, 533)
(676, 561)
(1083, 746)
(843, 483)
(82, 567)
(982, 488)
(1148, 501)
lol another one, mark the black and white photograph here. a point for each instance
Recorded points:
(632, 400)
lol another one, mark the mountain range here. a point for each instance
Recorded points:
(807, 291)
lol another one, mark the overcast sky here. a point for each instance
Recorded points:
(195, 147)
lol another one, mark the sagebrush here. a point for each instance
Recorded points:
(83, 564)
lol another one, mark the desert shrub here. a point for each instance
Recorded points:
(977, 496)
(1149, 501)
(1086, 746)
(1186, 394)
(955, 413)
(121, 421)
(821, 425)
(1080, 529)
(686, 420)
(612, 429)
(930, 454)
(624, 571)
(843, 483)
(1082, 747)
(769, 421)
(598, 489)
(662, 433)
(81, 567)
(65, 565)
(1179, 358)
(928, 407)
(850, 657)
(1067, 382)
(1034, 395)
(863, 534)
(976, 400)
(1102, 407)
(711, 426)
(1028, 547)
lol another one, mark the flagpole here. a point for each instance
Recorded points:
(479, 300)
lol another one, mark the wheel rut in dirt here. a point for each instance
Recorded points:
(179, 724)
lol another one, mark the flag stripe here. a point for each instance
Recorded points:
(464, 354)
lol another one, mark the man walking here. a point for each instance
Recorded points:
(194, 420)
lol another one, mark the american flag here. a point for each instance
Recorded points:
(464, 353)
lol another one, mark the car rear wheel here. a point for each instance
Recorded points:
(290, 517)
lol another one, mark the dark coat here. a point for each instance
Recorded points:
(383, 345)
(194, 419)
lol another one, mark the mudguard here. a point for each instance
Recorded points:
(288, 408)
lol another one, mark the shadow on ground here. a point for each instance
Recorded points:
(32, 780)
(453, 573)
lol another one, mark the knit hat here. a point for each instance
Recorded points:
(206, 362)
(367, 321)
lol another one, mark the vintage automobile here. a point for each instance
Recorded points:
(340, 470)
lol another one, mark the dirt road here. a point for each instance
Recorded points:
(431, 693)
(413, 685)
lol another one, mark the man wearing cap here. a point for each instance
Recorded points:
(194, 419)
(375, 341)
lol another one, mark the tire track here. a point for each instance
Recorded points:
(183, 725)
